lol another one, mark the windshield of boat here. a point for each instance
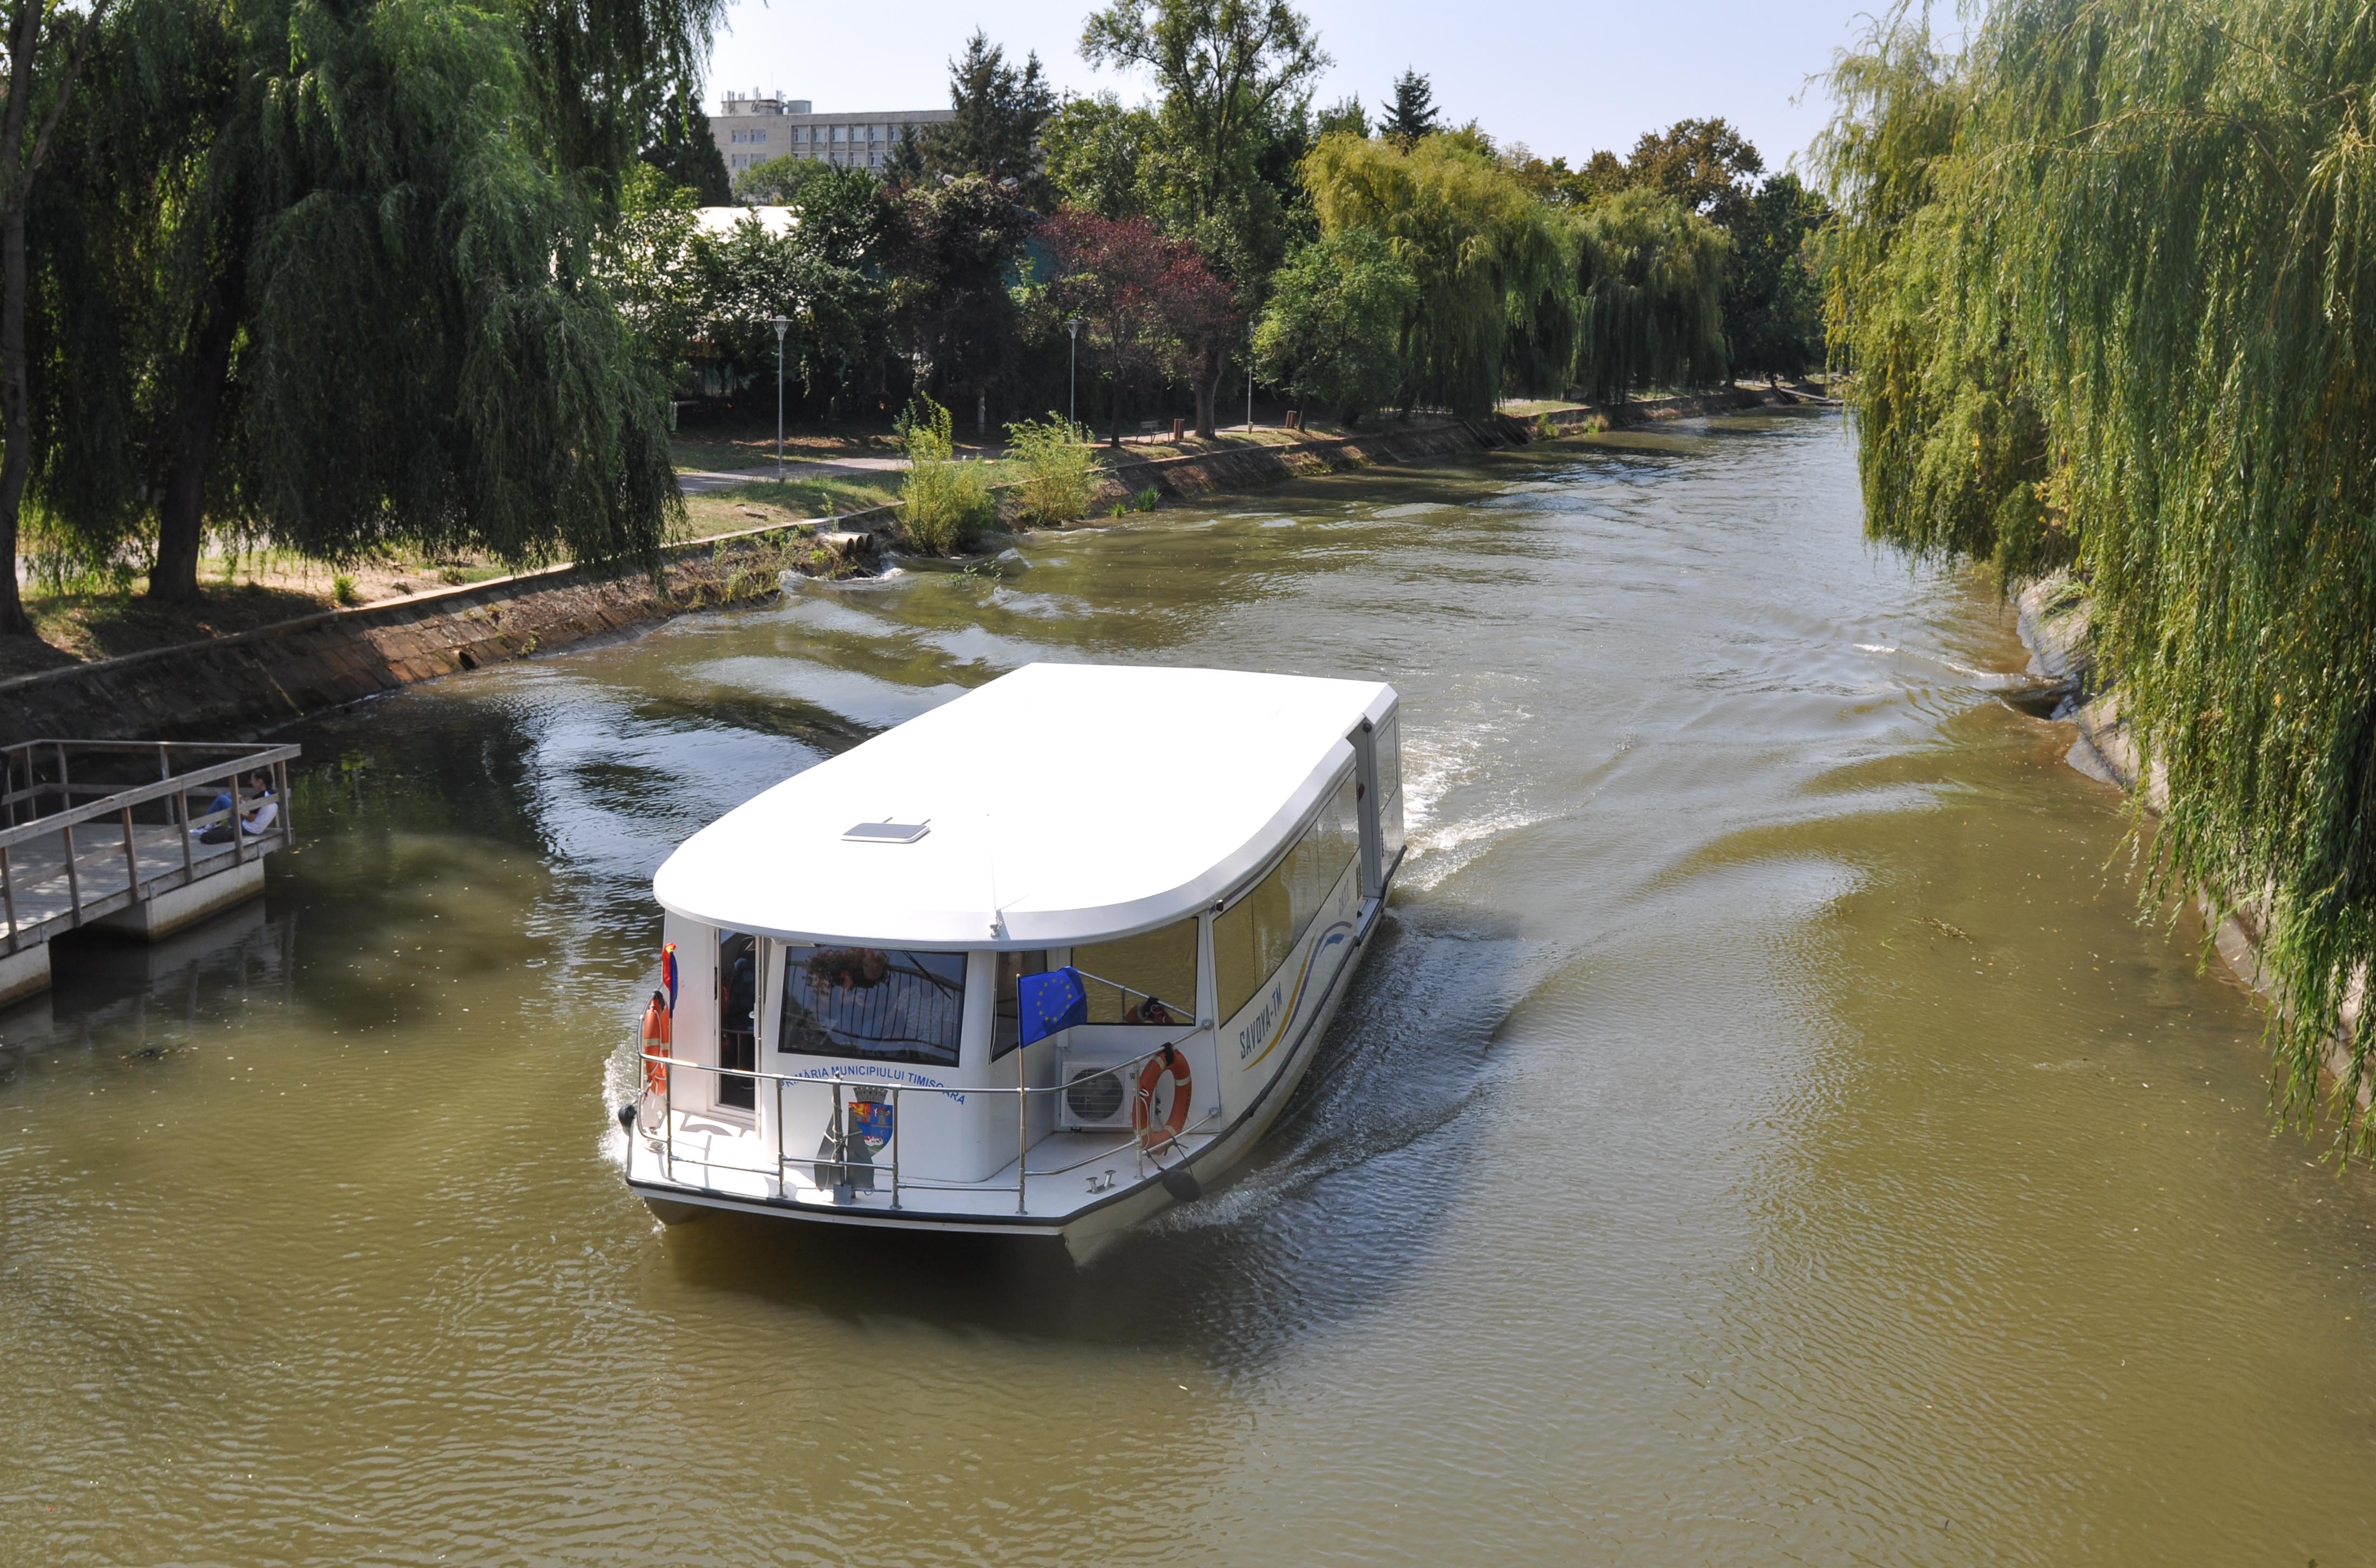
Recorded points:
(882, 1003)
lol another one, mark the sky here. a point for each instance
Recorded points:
(1561, 77)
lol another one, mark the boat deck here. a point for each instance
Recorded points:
(712, 1156)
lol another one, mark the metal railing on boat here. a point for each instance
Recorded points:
(1141, 1147)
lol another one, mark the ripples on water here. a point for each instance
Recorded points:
(1761, 1134)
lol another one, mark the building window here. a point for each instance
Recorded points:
(841, 133)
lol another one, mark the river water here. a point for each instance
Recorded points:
(1765, 1134)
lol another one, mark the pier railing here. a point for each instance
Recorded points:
(138, 834)
(1142, 1148)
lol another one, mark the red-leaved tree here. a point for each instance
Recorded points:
(1152, 305)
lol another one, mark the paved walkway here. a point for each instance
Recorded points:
(700, 482)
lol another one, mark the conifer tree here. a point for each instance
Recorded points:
(1412, 114)
(996, 130)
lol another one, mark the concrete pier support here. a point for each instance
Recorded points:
(169, 911)
(24, 973)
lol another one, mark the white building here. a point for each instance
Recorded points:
(752, 129)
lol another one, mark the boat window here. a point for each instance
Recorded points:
(1388, 745)
(1254, 936)
(1013, 966)
(1159, 970)
(883, 1003)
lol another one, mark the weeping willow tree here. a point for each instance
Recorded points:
(1650, 282)
(2107, 285)
(1489, 265)
(365, 307)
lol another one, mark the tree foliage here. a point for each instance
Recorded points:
(1150, 301)
(340, 262)
(1333, 331)
(1707, 165)
(1774, 307)
(1490, 266)
(679, 144)
(1410, 114)
(1235, 80)
(2105, 283)
(950, 251)
(1096, 151)
(994, 132)
(1651, 276)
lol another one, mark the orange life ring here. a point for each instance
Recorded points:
(656, 1043)
(1170, 1064)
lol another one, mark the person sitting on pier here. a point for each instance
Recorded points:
(256, 818)
(260, 816)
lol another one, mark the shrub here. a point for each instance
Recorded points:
(1145, 499)
(946, 504)
(1060, 470)
(342, 589)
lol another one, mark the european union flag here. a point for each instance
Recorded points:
(1045, 1003)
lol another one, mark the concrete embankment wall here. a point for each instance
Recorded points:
(238, 685)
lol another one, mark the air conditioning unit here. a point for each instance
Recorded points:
(1098, 1093)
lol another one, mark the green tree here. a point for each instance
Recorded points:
(1344, 117)
(1232, 124)
(1332, 332)
(1773, 308)
(778, 182)
(678, 143)
(825, 272)
(1707, 165)
(1097, 151)
(1411, 114)
(1651, 276)
(952, 251)
(995, 133)
(1235, 76)
(1493, 268)
(371, 311)
(650, 262)
(48, 47)
(2105, 283)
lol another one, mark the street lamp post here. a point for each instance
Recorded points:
(1073, 393)
(779, 323)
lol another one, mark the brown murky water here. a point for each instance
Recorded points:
(1766, 1136)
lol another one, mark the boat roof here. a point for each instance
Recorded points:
(1062, 804)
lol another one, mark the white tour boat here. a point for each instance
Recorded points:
(1038, 962)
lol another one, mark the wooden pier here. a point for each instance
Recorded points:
(132, 836)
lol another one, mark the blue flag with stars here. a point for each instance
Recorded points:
(1045, 1003)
